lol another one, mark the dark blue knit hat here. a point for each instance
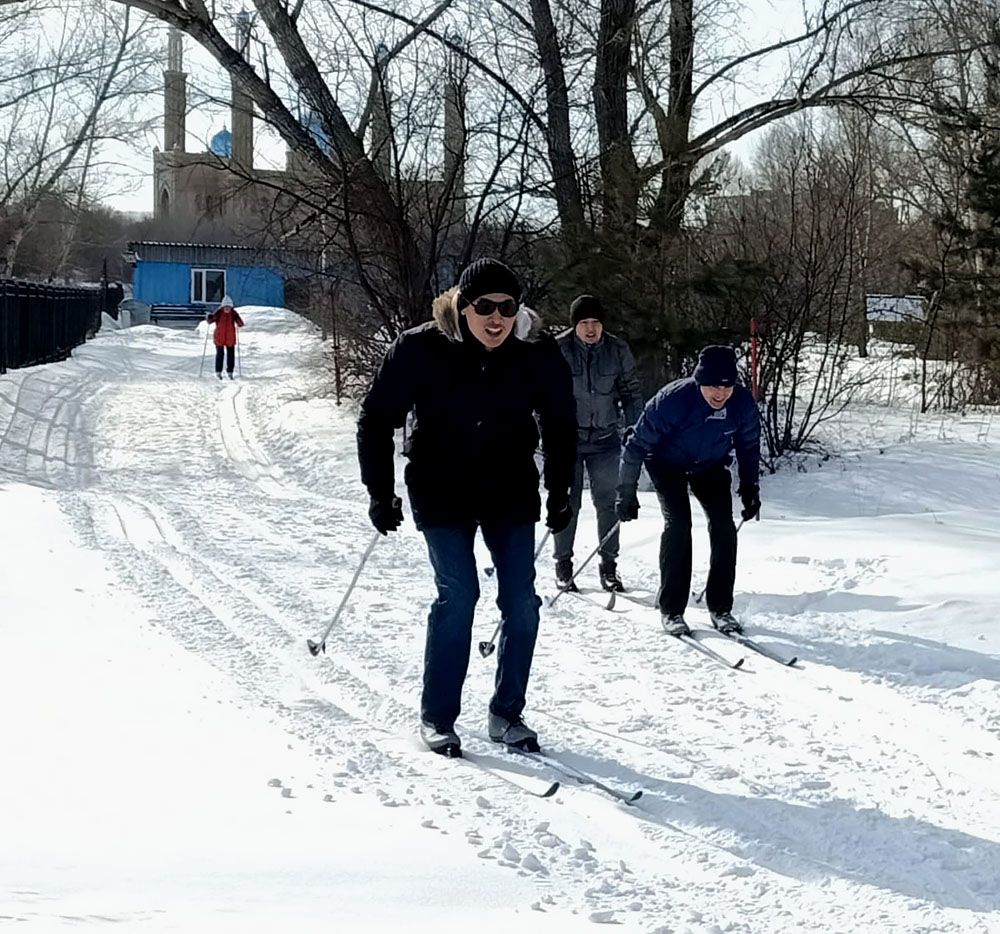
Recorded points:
(483, 276)
(716, 366)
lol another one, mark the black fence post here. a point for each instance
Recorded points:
(4, 308)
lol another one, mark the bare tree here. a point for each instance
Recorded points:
(58, 102)
(804, 229)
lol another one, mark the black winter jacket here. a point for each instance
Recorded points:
(471, 452)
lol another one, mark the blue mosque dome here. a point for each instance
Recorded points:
(312, 122)
(222, 144)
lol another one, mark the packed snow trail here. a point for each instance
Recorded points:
(854, 794)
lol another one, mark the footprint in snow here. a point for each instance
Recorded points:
(533, 864)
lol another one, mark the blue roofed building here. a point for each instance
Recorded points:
(197, 275)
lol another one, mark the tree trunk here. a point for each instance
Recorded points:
(18, 232)
(557, 137)
(676, 177)
(619, 171)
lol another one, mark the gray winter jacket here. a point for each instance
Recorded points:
(605, 385)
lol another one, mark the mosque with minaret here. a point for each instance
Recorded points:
(221, 188)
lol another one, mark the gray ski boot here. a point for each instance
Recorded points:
(512, 732)
(726, 623)
(674, 625)
(443, 741)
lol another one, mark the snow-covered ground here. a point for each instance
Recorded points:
(174, 759)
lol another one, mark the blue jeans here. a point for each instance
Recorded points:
(449, 625)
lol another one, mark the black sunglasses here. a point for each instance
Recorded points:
(486, 307)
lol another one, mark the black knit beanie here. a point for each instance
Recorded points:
(486, 275)
(716, 366)
(586, 306)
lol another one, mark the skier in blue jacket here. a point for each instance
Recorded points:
(685, 437)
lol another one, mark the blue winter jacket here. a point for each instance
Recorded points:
(680, 431)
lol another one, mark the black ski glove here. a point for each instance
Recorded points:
(558, 512)
(750, 494)
(386, 514)
(627, 505)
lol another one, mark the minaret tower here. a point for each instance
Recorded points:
(242, 104)
(456, 72)
(174, 95)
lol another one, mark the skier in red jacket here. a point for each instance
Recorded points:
(226, 320)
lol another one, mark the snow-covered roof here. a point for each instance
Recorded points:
(227, 254)
(895, 307)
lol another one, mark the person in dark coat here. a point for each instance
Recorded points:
(114, 297)
(608, 400)
(475, 377)
(226, 320)
(685, 438)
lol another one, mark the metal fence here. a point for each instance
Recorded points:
(43, 323)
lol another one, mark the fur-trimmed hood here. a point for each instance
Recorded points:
(527, 322)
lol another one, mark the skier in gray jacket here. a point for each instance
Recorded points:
(608, 400)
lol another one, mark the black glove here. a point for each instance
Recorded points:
(627, 505)
(558, 513)
(750, 494)
(386, 514)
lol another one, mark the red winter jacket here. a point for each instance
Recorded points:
(226, 321)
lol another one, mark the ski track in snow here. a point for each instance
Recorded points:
(856, 794)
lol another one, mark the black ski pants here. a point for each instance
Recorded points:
(713, 490)
(230, 353)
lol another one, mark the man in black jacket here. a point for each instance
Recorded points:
(476, 376)
(608, 399)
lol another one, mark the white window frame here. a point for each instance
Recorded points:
(200, 299)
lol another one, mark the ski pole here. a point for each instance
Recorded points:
(486, 649)
(201, 369)
(316, 647)
(590, 558)
(701, 596)
(239, 356)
